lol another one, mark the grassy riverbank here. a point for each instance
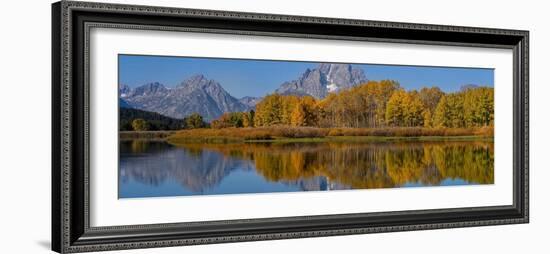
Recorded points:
(311, 134)
(361, 139)
(148, 135)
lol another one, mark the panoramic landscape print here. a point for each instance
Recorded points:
(210, 126)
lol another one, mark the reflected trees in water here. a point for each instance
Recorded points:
(310, 166)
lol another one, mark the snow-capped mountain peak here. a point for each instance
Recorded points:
(326, 78)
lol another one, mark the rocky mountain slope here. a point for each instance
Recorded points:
(324, 79)
(195, 95)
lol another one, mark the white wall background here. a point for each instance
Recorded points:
(25, 125)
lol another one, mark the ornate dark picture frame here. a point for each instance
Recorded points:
(71, 231)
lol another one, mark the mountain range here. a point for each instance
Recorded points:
(199, 94)
(327, 78)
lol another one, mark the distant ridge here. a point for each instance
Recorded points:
(250, 101)
(468, 86)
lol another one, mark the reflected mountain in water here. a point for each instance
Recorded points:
(159, 169)
(153, 163)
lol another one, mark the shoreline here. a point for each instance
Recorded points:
(144, 135)
(372, 139)
(339, 139)
(309, 135)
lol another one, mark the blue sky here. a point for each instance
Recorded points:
(259, 77)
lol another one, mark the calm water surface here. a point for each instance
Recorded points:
(157, 169)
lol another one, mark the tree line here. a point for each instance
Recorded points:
(371, 105)
(139, 120)
(375, 104)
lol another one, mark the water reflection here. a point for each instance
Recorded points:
(158, 169)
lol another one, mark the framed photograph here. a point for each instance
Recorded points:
(181, 126)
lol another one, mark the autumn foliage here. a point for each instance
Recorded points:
(389, 164)
(375, 104)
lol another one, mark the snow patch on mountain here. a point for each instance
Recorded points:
(331, 88)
